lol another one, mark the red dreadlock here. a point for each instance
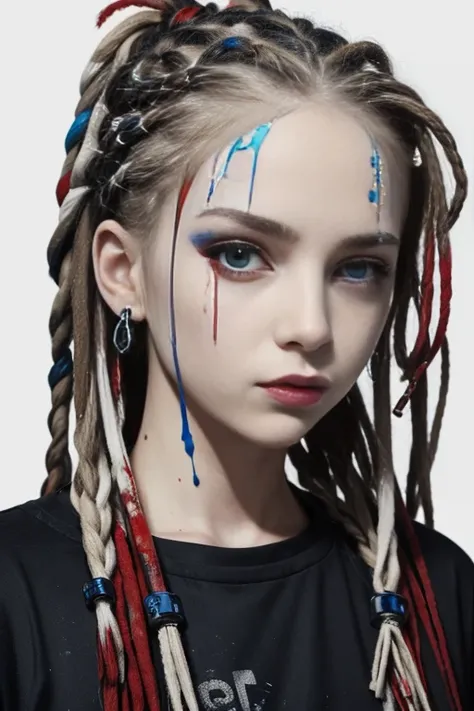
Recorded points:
(422, 354)
(187, 13)
(420, 592)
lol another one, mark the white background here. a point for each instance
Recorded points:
(43, 51)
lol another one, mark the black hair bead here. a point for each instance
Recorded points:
(98, 589)
(129, 130)
(163, 608)
(388, 607)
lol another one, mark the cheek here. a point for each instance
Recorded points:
(212, 325)
(358, 328)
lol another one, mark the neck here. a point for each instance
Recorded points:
(243, 498)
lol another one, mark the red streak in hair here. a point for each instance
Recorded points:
(138, 573)
(116, 379)
(427, 608)
(111, 9)
(445, 271)
(135, 628)
(422, 341)
(426, 305)
(411, 633)
(108, 673)
(401, 702)
(185, 14)
(63, 187)
(141, 535)
(133, 687)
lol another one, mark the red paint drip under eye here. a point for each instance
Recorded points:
(215, 301)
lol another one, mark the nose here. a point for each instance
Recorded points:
(304, 320)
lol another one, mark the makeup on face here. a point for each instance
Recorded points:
(252, 142)
(296, 390)
(246, 256)
(279, 238)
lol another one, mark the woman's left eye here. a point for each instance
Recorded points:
(361, 271)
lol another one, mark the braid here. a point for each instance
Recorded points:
(137, 135)
(93, 490)
(58, 459)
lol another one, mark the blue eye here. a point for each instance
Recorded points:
(362, 271)
(232, 258)
(237, 257)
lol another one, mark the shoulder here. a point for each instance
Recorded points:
(37, 520)
(36, 539)
(443, 556)
(42, 612)
(451, 573)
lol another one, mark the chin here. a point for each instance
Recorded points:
(277, 431)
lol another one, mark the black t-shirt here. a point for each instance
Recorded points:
(282, 627)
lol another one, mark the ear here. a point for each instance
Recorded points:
(117, 265)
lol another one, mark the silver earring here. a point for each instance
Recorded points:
(123, 333)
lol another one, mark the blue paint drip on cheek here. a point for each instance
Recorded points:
(186, 436)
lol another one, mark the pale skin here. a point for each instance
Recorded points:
(314, 302)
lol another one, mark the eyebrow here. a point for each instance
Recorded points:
(272, 228)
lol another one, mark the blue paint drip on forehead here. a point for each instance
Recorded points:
(251, 142)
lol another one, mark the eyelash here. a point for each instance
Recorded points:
(381, 270)
(212, 252)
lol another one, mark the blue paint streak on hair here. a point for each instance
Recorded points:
(78, 129)
(186, 436)
(255, 143)
(232, 43)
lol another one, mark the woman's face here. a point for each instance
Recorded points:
(298, 284)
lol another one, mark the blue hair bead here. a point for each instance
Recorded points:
(78, 129)
(61, 369)
(388, 606)
(232, 43)
(98, 589)
(163, 608)
(372, 196)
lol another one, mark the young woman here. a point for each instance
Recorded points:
(243, 206)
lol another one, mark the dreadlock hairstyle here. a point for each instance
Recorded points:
(161, 81)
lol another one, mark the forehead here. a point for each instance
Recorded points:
(313, 173)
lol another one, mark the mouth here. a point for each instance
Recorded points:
(296, 390)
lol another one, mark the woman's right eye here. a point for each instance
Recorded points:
(234, 259)
(237, 257)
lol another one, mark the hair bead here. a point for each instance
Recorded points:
(163, 608)
(388, 607)
(61, 368)
(98, 589)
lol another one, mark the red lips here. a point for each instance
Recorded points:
(297, 390)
